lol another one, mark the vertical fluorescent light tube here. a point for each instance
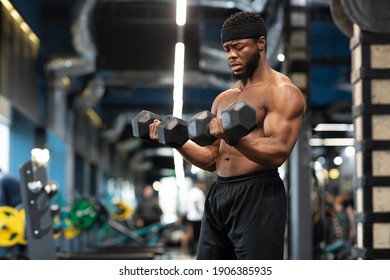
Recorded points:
(178, 106)
(181, 12)
(178, 80)
(179, 168)
(181, 15)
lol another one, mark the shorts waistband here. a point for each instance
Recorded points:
(257, 174)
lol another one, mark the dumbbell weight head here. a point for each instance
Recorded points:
(198, 128)
(140, 124)
(172, 131)
(238, 119)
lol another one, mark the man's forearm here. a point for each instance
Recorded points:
(202, 157)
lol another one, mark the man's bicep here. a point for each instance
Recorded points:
(283, 125)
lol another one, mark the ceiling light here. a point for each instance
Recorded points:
(156, 185)
(321, 160)
(18, 18)
(178, 80)
(349, 151)
(181, 15)
(334, 174)
(334, 127)
(281, 57)
(331, 142)
(40, 156)
(338, 160)
(181, 12)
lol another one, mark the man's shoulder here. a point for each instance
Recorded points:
(281, 84)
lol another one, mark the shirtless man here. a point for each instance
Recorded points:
(246, 208)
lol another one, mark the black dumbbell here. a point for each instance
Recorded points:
(238, 120)
(198, 128)
(140, 124)
(171, 131)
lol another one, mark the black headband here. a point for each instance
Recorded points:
(251, 30)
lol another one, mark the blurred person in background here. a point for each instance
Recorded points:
(148, 211)
(195, 208)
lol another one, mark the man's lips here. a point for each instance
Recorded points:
(235, 67)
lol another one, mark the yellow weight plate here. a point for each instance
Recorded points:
(11, 226)
(122, 212)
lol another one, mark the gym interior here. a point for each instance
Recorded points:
(75, 74)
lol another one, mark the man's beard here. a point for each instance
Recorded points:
(250, 69)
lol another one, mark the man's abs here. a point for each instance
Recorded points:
(231, 163)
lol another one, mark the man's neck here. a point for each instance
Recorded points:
(260, 74)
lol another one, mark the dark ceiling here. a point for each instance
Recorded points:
(126, 48)
(132, 45)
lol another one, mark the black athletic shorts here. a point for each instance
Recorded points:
(244, 218)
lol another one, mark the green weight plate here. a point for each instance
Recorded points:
(83, 214)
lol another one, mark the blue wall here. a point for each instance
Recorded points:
(329, 70)
(22, 136)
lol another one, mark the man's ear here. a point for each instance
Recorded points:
(261, 43)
